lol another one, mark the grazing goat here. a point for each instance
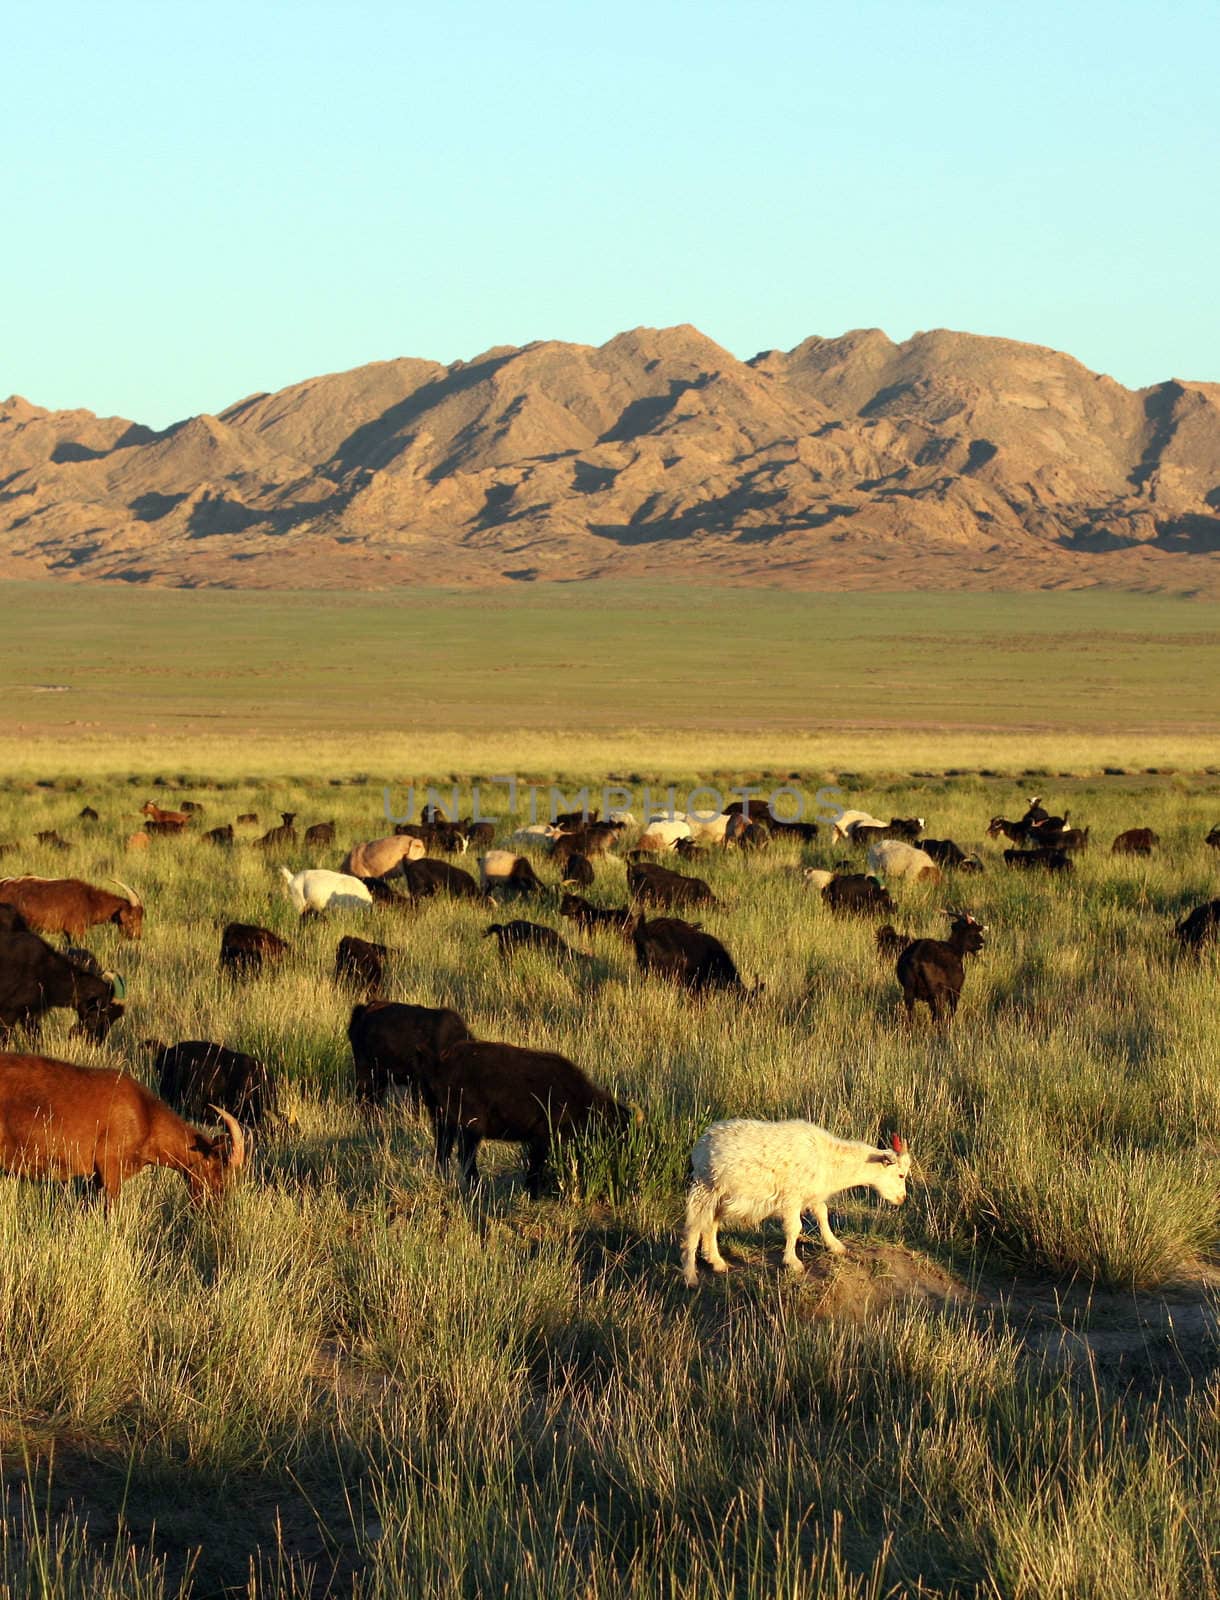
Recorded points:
(248, 816)
(317, 890)
(578, 869)
(361, 963)
(244, 947)
(69, 905)
(1213, 838)
(591, 839)
(512, 936)
(895, 858)
(393, 1043)
(746, 1171)
(426, 878)
(857, 894)
(222, 835)
(87, 814)
(649, 883)
(35, 979)
(196, 1075)
(890, 942)
(585, 915)
(1135, 842)
(663, 835)
(1044, 860)
(377, 858)
(502, 869)
(931, 970)
(947, 854)
(682, 951)
(320, 833)
(176, 819)
(536, 1098)
(282, 837)
(1201, 926)
(847, 820)
(58, 1120)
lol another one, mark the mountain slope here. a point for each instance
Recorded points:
(946, 461)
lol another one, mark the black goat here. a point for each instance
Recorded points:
(932, 970)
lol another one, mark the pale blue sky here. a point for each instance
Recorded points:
(206, 200)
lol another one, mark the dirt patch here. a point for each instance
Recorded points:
(874, 1278)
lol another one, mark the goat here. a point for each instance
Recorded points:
(1046, 860)
(59, 1120)
(360, 963)
(196, 1075)
(317, 890)
(318, 834)
(682, 951)
(515, 935)
(283, 836)
(501, 1091)
(393, 1043)
(658, 885)
(244, 947)
(931, 970)
(1202, 925)
(1135, 842)
(585, 915)
(747, 1171)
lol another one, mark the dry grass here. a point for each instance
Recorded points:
(357, 1380)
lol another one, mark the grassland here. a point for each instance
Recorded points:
(356, 1381)
(599, 659)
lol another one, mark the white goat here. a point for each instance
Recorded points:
(663, 834)
(746, 1171)
(377, 858)
(895, 858)
(317, 890)
(817, 877)
(709, 828)
(842, 828)
(535, 835)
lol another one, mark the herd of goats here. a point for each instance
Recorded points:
(62, 1120)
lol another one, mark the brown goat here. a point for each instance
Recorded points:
(155, 814)
(69, 905)
(58, 1120)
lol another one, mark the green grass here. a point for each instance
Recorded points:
(604, 656)
(355, 1380)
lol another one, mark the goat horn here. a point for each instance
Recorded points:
(132, 897)
(237, 1156)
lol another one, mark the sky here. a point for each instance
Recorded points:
(204, 201)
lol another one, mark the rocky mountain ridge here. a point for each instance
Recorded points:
(946, 461)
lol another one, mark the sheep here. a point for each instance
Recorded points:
(894, 858)
(317, 890)
(747, 1171)
(623, 819)
(377, 858)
